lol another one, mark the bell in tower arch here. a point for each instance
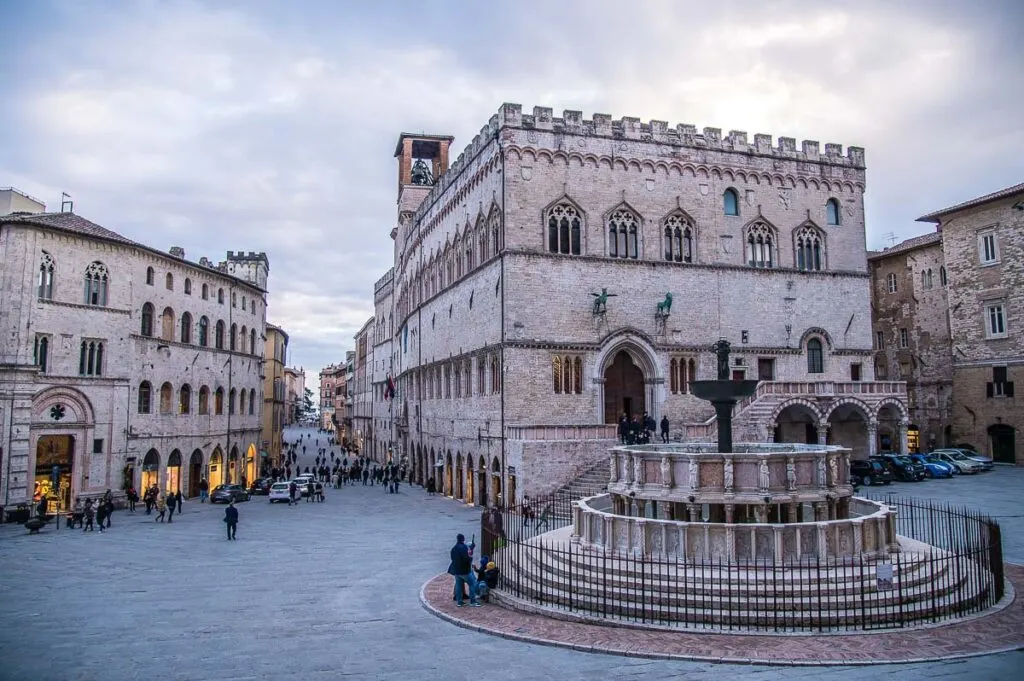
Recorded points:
(421, 174)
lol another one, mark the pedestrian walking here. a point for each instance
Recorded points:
(161, 508)
(89, 513)
(170, 507)
(133, 498)
(177, 499)
(293, 490)
(664, 428)
(204, 491)
(108, 506)
(231, 518)
(101, 514)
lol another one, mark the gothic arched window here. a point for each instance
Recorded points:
(204, 331)
(810, 250)
(622, 234)
(96, 280)
(815, 357)
(678, 239)
(185, 399)
(832, 212)
(186, 327)
(145, 397)
(218, 335)
(494, 223)
(204, 401)
(730, 202)
(46, 267)
(564, 229)
(147, 319)
(760, 243)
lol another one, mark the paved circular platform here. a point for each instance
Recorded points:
(1000, 631)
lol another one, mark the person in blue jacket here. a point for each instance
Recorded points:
(461, 567)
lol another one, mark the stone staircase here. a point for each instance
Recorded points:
(592, 481)
(606, 588)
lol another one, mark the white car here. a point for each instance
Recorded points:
(302, 481)
(279, 492)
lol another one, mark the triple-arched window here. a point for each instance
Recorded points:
(760, 245)
(567, 374)
(90, 360)
(564, 229)
(679, 235)
(46, 268)
(926, 279)
(96, 280)
(622, 234)
(682, 372)
(809, 245)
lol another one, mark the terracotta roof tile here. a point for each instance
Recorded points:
(994, 196)
(908, 245)
(69, 222)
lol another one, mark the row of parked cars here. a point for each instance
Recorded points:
(883, 468)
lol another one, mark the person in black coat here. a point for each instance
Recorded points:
(461, 567)
(231, 518)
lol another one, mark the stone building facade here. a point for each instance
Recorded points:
(983, 246)
(295, 394)
(362, 435)
(511, 371)
(275, 392)
(909, 286)
(122, 364)
(333, 395)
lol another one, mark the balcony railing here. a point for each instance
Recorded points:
(584, 432)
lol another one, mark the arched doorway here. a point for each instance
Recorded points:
(496, 482)
(195, 473)
(797, 422)
(482, 480)
(623, 389)
(55, 458)
(216, 477)
(470, 487)
(848, 426)
(173, 482)
(151, 469)
(1002, 443)
(250, 463)
(232, 475)
(458, 475)
(448, 474)
(889, 439)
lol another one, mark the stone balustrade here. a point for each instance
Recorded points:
(563, 433)
(756, 473)
(870, 530)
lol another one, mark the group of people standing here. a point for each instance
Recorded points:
(641, 431)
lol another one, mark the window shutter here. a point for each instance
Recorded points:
(999, 374)
(988, 390)
(1008, 389)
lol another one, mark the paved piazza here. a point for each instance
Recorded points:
(331, 591)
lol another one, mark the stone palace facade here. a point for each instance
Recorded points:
(123, 365)
(511, 372)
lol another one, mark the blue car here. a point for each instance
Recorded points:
(933, 467)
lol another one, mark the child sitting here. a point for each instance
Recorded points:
(488, 580)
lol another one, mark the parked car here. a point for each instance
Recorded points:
(279, 492)
(905, 468)
(261, 486)
(962, 463)
(222, 494)
(986, 463)
(870, 473)
(934, 467)
(302, 481)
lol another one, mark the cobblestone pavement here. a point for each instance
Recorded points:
(329, 591)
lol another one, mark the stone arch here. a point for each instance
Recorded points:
(215, 470)
(637, 346)
(802, 401)
(195, 472)
(459, 488)
(471, 488)
(817, 331)
(798, 420)
(77, 407)
(849, 422)
(855, 402)
(891, 402)
(448, 474)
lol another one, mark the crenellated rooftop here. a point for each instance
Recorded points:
(631, 128)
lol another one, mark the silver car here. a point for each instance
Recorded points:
(961, 462)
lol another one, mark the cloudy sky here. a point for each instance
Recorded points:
(269, 125)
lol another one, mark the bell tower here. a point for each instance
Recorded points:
(422, 160)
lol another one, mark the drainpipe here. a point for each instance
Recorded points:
(501, 349)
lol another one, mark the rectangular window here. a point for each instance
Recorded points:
(766, 369)
(855, 372)
(1000, 385)
(880, 340)
(995, 321)
(97, 446)
(988, 248)
(904, 338)
(891, 283)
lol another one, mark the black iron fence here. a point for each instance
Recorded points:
(959, 572)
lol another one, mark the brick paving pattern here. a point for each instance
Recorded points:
(998, 632)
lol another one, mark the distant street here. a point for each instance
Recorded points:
(325, 591)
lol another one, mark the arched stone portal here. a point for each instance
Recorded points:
(216, 477)
(797, 421)
(482, 480)
(623, 389)
(173, 481)
(195, 473)
(151, 469)
(1002, 443)
(848, 426)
